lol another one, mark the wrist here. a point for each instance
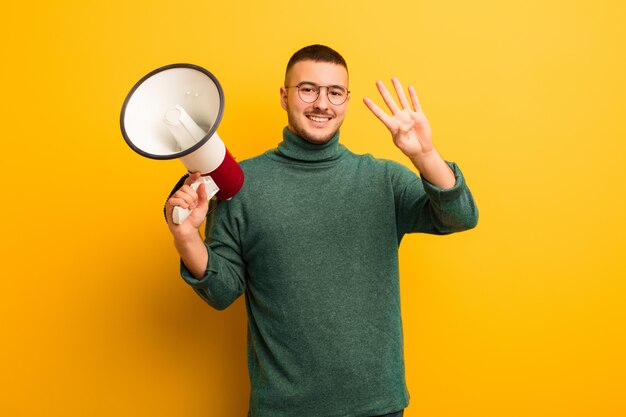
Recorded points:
(423, 160)
(187, 238)
(435, 170)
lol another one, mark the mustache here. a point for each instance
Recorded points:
(319, 114)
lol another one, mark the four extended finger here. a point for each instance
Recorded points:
(391, 103)
(378, 112)
(415, 100)
(400, 93)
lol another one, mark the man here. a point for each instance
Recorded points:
(312, 239)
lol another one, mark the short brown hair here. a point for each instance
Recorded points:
(317, 53)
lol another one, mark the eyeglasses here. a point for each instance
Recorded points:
(309, 92)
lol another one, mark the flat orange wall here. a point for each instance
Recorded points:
(523, 316)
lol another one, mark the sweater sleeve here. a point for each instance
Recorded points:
(426, 208)
(224, 279)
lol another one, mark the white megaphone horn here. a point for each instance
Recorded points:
(173, 112)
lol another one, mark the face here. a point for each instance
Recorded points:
(315, 122)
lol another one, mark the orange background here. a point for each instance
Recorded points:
(523, 316)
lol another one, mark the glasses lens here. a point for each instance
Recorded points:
(337, 94)
(308, 92)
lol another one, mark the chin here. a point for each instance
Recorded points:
(316, 139)
(317, 136)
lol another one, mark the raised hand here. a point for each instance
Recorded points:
(412, 134)
(408, 125)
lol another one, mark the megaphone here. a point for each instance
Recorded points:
(173, 112)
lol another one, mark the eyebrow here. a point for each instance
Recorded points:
(317, 85)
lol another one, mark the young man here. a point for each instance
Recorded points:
(312, 240)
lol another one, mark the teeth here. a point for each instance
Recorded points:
(319, 119)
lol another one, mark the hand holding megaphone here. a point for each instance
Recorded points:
(208, 190)
(190, 198)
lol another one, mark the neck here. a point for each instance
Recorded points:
(295, 147)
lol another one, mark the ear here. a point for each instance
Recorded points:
(283, 98)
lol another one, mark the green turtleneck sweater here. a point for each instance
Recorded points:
(312, 239)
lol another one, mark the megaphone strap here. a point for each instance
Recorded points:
(179, 184)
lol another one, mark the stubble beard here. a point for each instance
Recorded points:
(302, 133)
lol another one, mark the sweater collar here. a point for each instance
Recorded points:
(294, 147)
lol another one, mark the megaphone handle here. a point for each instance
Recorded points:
(180, 214)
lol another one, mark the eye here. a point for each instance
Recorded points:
(307, 88)
(337, 92)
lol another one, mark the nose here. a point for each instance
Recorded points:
(322, 99)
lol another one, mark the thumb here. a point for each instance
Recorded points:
(202, 195)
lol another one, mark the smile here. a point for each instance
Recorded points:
(318, 119)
